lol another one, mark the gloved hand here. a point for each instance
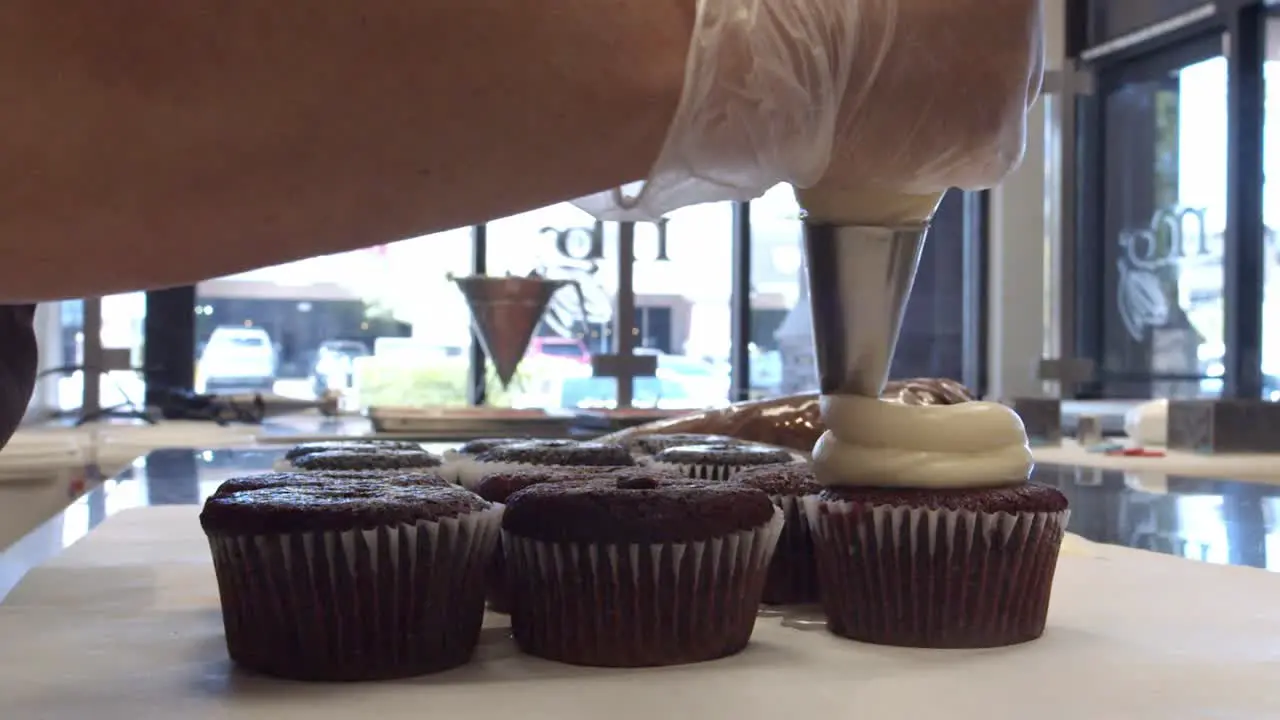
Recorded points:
(874, 96)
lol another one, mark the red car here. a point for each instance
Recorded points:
(560, 347)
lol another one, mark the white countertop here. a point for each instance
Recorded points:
(1260, 467)
(125, 626)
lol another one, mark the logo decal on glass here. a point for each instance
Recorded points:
(1145, 287)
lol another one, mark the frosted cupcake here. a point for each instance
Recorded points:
(542, 453)
(927, 533)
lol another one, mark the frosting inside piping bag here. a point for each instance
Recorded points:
(834, 206)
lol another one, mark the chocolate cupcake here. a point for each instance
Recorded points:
(467, 452)
(360, 445)
(793, 574)
(281, 479)
(350, 579)
(718, 461)
(543, 453)
(636, 570)
(365, 460)
(646, 445)
(501, 485)
(928, 533)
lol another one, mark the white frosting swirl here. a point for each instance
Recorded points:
(871, 442)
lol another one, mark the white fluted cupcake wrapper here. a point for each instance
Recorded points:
(452, 464)
(934, 577)
(361, 604)
(637, 605)
(793, 570)
(700, 471)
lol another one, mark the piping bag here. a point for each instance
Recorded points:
(862, 251)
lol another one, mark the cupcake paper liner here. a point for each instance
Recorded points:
(793, 573)
(451, 466)
(700, 471)
(497, 596)
(366, 604)
(638, 605)
(470, 472)
(930, 577)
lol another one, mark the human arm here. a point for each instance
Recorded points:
(148, 144)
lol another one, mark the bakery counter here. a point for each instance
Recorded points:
(41, 517)
(126, 624)
(1218, 520)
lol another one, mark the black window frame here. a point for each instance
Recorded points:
(1235, 29)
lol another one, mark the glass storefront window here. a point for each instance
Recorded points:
(122, 336)
(782, 361)
(63, 354)
(931, 342)
(383, 326)
(563, 243)
(1271, 215)
(1164, 178)
(682, 287)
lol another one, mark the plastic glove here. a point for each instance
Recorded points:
(881, 96)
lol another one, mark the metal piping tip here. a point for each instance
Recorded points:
(860, 279)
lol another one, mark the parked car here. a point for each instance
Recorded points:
(237, 359)
(334, 367)
(598, 393)
(560, 347)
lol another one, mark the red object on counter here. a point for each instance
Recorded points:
(1136, 452)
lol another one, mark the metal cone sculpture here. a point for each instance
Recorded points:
(505, 312)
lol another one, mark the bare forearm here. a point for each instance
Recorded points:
(146, 144)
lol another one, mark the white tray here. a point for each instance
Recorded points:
(125, 626)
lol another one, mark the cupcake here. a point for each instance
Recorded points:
(543, 453)
(793, 575)
(280, 479)
(928, 533)
(646, 445)
(465, 453)
(719, 460)
(501, 485)
(636, 570)
(362, 445)
(366, 460)
(350, 579)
